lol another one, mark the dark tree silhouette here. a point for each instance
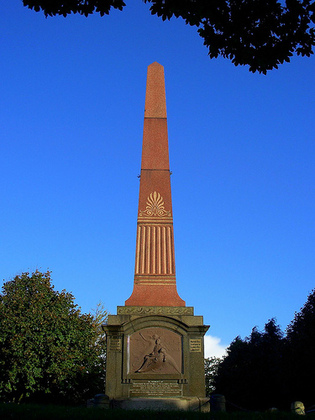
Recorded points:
(250, 375)
(258, 33)
(301, 350)
(268, 369)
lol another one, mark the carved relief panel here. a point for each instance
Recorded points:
(155, 351)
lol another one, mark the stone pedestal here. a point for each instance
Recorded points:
(155, 358)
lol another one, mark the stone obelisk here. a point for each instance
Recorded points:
(155, 344)
(155, 282)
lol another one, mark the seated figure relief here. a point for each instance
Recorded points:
(155, 350)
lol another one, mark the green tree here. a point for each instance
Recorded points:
(48, 348)
(260, 33)
(300, 353)
(211, 370)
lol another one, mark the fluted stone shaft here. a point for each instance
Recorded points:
(155, 281)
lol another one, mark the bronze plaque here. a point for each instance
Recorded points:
(155, 351)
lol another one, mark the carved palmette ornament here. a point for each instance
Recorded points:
(155, 206)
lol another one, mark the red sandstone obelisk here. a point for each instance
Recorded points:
(155, 281)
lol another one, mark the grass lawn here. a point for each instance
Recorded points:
(55, 412)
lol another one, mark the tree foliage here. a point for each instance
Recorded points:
(211, 370)
(48, 348)
(250, 375)
(270, 369)
(258, 33)
(66, 7)
(301, 350)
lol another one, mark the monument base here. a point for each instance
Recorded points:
(163, 404)
(155, 358)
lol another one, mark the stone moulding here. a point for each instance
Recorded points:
(155, 310)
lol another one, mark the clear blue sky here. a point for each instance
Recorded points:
(242, 150)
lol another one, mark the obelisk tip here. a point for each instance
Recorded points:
(155, 102)
(155, 63)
